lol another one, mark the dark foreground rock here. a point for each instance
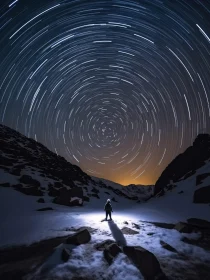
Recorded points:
(111, 251)
(202, 195)
(146, 262)
(81, 237)
(17, 261)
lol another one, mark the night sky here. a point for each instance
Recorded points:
(117, 87)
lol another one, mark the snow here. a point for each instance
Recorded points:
(20, 223)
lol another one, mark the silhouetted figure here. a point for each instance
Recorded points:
(108, 209)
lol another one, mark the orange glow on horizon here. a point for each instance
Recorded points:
(126, 182)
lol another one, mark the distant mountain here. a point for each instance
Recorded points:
(185, 164)
(29, 167)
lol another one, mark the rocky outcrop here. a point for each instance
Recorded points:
(185, 164)
(67, 197)
(201, 177)
(26, 179)
(202, 195)
(19, 152)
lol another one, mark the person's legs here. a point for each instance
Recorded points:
(106, 215)
(110, 215)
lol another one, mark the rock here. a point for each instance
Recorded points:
(125, 222)
(111, 251)
(145, 261)
(201, 177)
(53, 192)
(202, 195)
(102, 245)
(58, 185)
(41, 200)
(183, 227)
(163, 225)
(5, 185)
(30, 191)
(81, 237)
(65, 254)
(95, 190)
(167, 246)
(45, 209)
(65, 196)
(127, 230)
(95, 195)
(113, 199)
(76, 202)
(200, 223)
(26, 179)
(90, 229)
(150, 233)
(86, 198)
(107, 193)
(136, 226)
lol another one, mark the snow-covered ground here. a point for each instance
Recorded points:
(20, 223)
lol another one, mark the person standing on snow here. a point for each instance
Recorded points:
(108, 209)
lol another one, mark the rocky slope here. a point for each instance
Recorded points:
(31, 168)
(185, 164)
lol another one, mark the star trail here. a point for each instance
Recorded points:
(116, 87)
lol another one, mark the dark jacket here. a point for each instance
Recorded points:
(108, 207)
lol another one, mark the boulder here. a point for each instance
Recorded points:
(78, 238)
(113, 199)
(95, 190)
(127, 230)
(183, 227)
(202, 195)
(65, 196)
(111, 251)
(30, 191)
(145, 261)
(41, 200)
(65, 254)
(26, 179)
(135, 226)
(167, 246)
(95, 195)
(102, 245)
(200, 223)
(201, 177)
(75, 201)
(53, 192)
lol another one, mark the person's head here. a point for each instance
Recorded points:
(108, 200)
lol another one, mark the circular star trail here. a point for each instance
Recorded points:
(118, 87)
